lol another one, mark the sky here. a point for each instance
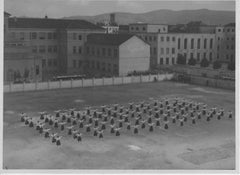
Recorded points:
(65, 8)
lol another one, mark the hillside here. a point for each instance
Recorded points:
(167, 16)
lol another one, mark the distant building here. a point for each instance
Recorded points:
(116, 54)
(59, 43)
(225, 41)
(123, 29)
(110, 26)
(148, 28)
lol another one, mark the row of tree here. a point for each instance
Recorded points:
(181, 59)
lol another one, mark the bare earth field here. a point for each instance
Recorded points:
(201, 146)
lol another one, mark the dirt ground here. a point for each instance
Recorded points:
(201, 146)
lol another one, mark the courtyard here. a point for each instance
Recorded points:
(201, 146)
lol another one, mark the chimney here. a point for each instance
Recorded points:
(46, 17)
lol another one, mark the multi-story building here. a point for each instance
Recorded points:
(116, 54)
(225, 41)
(59, 43)
(19, 62)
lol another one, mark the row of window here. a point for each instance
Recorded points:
(44, 49)
(102, 66)
(49, 63)
(168, 50)
(226, 30)
(77, 64)
(77, 50)
(76, 36)
(167, 61)
(198, 43)
(228, 39)
(105, 52)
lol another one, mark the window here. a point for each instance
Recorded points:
(132, 28)
(173, 38)
(204, 55)
(79, 49)
(74, 63)
(21, 35)
(159, 30)
(34, 35)
(43, 63)
(232, 38)
(34, 49)
(109, 52)
(98, 52)
(198, 56)
(103, 66)
(137, 28)
(191, 55)
(55, 49)
(227, 56)
(192, 43)
(146, 38)
(211, 43)
(93, 64)
(167, 50)
(163, 28)
(173, 50)
(218, 38)
(54, 35)
(233, 30)
(162, 50)
(50, 62)
(109, 67)
(50, 35)
(115, 69)
(217, 56)
(199, 43)
(219, 30)
(232, 47)
(210, 56)
(79, 63)
(150, 38)
(205, 43)
(232, 57)
(154, 38)
(161, 60)
(42, 49)
(179, 43)
(50, 49)
(227, 47)
(144, 28)
(162, 38)
(79, 37)
(98, 65)
(154, 50)
(168, 39)
(115, 52)
(93, 51)
(227, 38)
(55, 62)
(42, 35)
(228, 30)
(87, 49)
(218, 47)
(173, 60)
(167, 60)
(74, 36)
(185, 43)
(37, 70)
(103, 51)
(74, 49)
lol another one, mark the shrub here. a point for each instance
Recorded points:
(181, 59)
(192, 62)
(204, 62)
(217, 65)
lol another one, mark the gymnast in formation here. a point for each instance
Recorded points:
(133, 117)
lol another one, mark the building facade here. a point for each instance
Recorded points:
(116, 54)
(225, 41)
(58, 43)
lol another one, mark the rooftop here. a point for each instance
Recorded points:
(108, 39)
(51, 23)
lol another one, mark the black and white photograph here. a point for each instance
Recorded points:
(120, 85)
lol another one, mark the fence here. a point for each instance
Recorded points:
(206, 81)
(84, 83)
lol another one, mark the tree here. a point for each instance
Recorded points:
(231, 66)
(192, 62)
(26, 73)
(204, 62)
(181, 59)
(217, 65)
